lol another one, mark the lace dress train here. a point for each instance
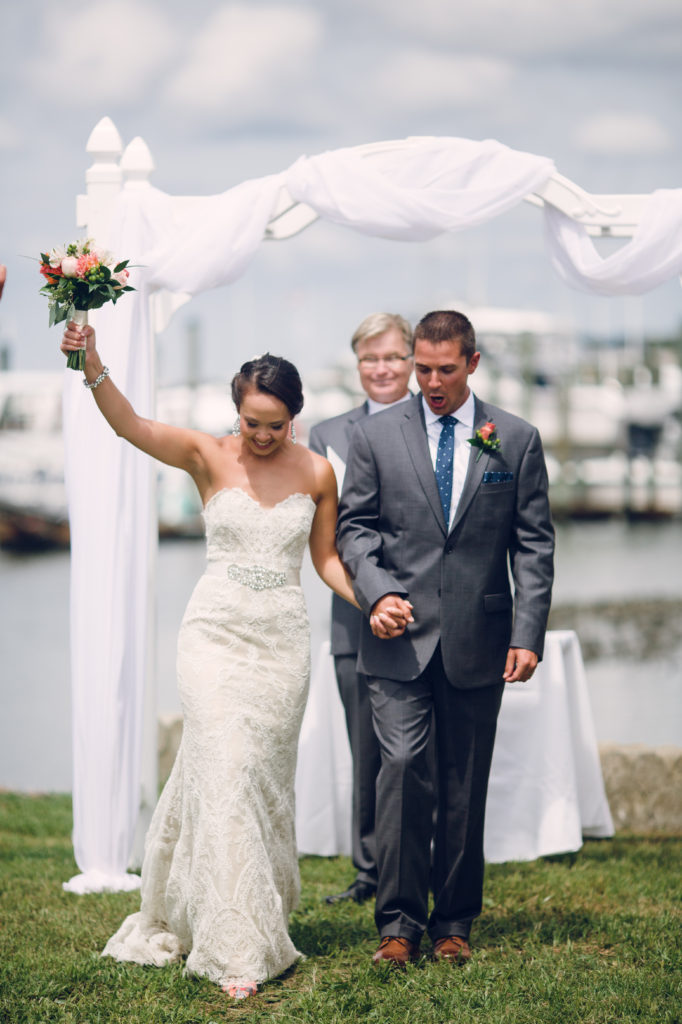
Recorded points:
(220, 874)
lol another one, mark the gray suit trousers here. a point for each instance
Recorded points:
(366, 761)
(465, 723)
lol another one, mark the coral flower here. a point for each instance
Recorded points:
(86, 262)
(50, 272)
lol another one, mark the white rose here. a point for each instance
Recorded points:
(69, 266)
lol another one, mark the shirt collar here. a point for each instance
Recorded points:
(465, 414)
(373, 406)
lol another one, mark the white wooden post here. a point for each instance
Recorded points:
(136, 166)
(102, 179)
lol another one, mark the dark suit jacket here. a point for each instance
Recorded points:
(335, 433)
(393, 538)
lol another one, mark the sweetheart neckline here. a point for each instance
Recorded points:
(265, 508)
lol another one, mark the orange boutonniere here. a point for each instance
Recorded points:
(485, 439)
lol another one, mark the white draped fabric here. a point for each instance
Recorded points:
(410, 191)
(653, 254)
(109, 486)
(418, 190)
(208, 242)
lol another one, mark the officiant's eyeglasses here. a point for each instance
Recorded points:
(391, 361)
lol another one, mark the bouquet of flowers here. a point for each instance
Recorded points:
(80, 277)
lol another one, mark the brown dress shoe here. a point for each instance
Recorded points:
(396, 950)
(453, 948)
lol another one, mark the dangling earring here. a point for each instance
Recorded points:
(236, 429)
(293, 433)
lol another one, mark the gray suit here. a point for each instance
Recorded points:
(393, 538)
(345, 634)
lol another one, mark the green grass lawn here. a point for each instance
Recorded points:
(589, 937)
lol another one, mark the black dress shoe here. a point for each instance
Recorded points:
(358, 892)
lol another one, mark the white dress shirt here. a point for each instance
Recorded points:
(373, 406)
(464, 429)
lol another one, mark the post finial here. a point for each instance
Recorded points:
(102, 180)
(104, 141)
(137, 163)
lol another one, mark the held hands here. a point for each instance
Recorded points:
(390, 616)
(76, 338)
(520, 665)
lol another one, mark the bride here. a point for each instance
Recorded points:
(220, 874)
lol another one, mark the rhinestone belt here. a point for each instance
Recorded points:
(257, 577)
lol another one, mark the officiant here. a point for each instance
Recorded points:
(383, 348)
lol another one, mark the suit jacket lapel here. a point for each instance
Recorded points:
(476, 467)
(416, 442)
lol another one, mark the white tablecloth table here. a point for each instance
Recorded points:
(546, 788)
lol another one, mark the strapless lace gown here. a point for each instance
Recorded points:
(220, 874)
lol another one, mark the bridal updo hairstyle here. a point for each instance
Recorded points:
(273, 375)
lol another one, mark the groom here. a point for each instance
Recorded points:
(432, 524)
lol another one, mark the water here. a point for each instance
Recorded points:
(633, 701)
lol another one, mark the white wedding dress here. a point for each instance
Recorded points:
(220, 874)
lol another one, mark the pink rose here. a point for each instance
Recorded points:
(486, 430)
(121, 278)
(70, 266)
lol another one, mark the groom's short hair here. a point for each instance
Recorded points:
(447, 325)
(379, 323)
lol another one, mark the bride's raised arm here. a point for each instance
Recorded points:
(175, 446)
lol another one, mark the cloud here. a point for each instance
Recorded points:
(97, 52)
(416, 78)
(244, 59)
(10, 138)
(538, 28)
(622, 134)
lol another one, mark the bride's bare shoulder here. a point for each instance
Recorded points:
(321, 472)
(315, 463)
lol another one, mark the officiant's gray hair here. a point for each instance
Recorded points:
(379, 323)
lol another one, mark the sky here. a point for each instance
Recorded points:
(223, 92)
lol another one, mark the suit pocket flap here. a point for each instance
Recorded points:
(497, 602)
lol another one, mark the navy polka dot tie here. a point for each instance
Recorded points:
(444, 460)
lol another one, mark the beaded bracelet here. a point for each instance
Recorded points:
(96, 383)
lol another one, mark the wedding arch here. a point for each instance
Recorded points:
(409, 190)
